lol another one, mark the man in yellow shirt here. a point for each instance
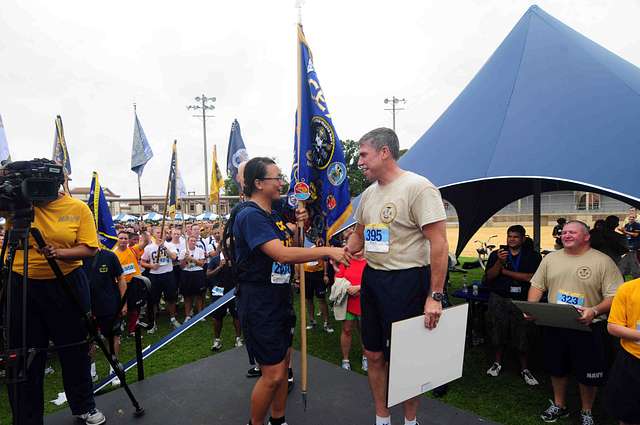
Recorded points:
(623, 388)
(69, 230)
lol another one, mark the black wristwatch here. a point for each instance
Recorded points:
(437, 296)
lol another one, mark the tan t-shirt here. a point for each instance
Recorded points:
(582, 280)
(393, 216)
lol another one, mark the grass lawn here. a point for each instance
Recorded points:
(505, 399)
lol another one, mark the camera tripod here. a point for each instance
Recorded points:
(17, 360)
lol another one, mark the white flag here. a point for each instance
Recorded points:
(4, 146)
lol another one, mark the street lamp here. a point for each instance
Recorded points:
(204, 104)
(394, 101)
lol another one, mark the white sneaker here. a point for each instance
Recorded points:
(49, 370)
(115, 382)
(92, 417)
(152, 330)
(186, 319)
(528, 377)
(311, 325)
(346, 365)
(328, 329)
(217, 344)
(174, 323)
(94, 378)
(239, 341)
(365, 364)
(495, 369)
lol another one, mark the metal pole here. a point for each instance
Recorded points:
(393, 107)
(537, 188)
(206, 167)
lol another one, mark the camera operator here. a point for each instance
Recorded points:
(68, 228)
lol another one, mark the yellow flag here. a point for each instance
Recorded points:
(217, 182)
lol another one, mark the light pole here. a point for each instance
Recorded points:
(204, 104)
(394, 101)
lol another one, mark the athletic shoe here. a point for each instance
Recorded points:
(254, 372)
(269, 423)
(290, 381)
(217, 344)
(92, 417)
(115, 382)
(528, 377)
(49, 370)
(152, 330)
(553, 413)
(94, 378)
(365, 364)
(494, 370)
(174, 323)
(239, 341)
(311, 325)
(346, 365)
(186, 319)
(328, 329)
(586, 418)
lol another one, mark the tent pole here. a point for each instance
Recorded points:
(537, 187)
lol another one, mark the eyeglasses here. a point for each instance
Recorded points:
(280, 178)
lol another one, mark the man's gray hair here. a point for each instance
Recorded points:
(584, 225)
(381, 137)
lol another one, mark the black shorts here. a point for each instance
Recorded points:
(229, 307)
(109, 325)
(314, 284)
(387, 297)
(507, 325)
(177, 275)
(193, 283)
(268, 321)
(163, 285)
(582, 353)
(622, 393)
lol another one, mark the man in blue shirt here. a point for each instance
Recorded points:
(629, 263)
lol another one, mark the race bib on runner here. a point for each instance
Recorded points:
(638, 329)
(217, 291)
(515, 289)
(571, 298)
(376, 238)
(280, 273)
(128, 269)
(163, 261)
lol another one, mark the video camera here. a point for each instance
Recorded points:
(23, 183)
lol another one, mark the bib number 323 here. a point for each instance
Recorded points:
(376, 238)
(280, 273)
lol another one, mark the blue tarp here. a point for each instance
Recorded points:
(549, 107)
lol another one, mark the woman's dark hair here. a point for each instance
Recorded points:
(255, 169)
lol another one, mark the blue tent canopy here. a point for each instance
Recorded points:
(549, 108)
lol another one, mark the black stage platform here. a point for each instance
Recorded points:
(215, 391)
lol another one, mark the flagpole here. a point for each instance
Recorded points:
(300, 225)
(166, 197)
(135, 109)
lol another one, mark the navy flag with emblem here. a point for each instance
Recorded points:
(60, 152)
(173, 182)
(236, 151)
(107, 235)
(318, 157)
(141, 152)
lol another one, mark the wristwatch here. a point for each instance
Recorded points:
(437, 296)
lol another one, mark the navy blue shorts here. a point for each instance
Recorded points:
(314, 285)
(109, 325)
(193, 283)
(622, 392)
(268, 321)
(229, 307)
(387, 297)
(163, 285)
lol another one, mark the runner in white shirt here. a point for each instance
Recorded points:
(193, 285)
(157, 257)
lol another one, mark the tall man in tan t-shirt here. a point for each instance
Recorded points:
(587, 279)
(402, 228)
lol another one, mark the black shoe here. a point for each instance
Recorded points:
(254, 372)
(290, 382)
(553, 413)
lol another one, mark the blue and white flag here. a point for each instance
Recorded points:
(60, 152)
(236, 152)
(319, 169)
(4, 145)
(141, 152)
(104, 222)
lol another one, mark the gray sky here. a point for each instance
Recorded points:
(90, 61)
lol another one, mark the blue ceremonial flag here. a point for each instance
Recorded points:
(236, 152)
(60, 152)
(318, 164)
(104, 223)
(4, 145)
(141, 152)
(173, 182)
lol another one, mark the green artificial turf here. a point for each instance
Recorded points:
(505, 399)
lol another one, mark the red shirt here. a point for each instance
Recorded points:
(354, 275)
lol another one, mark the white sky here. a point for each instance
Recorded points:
(89, 61)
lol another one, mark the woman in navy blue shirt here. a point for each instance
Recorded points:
(263, 249)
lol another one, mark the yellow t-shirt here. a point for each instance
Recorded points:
(393, 216)
(581, 280)
(64, 223)
(625, 311)
(129, 262)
